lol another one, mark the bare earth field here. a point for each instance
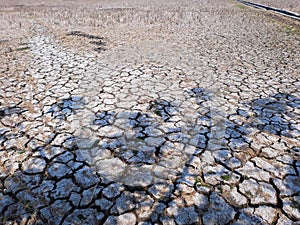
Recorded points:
(291, 5)
(148, 112)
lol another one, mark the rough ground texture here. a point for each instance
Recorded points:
(291, 5)
(145, 112)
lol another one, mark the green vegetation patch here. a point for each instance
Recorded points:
(291, 30)
(226, 177)
(23, 48)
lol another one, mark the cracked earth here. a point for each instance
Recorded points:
(167, 113)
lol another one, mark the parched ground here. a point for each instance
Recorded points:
(291, 5)
(148, 112)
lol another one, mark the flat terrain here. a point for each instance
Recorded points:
(148, 112)
(291, 5)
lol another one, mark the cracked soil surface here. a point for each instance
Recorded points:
(139, 112)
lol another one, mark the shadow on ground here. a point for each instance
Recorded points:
(99, 42)
(56, 182)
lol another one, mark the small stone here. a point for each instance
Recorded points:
(173, 207)
(5, 201)
(58, 170)
(161, 190)
(288, 186)
(188, 176)
(152, 132)
(51, 152)
(14, 211)
(221, 155)
(286, 159)
(44, 189)
(86, 177)
(80, 217)
(166, 220)
(112, 190)
(99, 217)
(291, 206)
(34, 165)
(75, 198)
(144, 208)
(109, 101)
(104, 204)
(110, 132)
(63, 188)
(267, 213)
(233, 196)
(55, 213)
(145, 223)
(167, 149)
(123, 203)
(179, 137)
(158, 209)
(197, 140)
(258, 192)
(154, 141)
(190, 150)
(125, 219)
(233, 163)
(265, 165)
(219, 212)
(60, 139)
(87, 197)
(283, 220)
(184, 189)
(270, 152)
(74, 165)
(99, 153)
(207, 159)
(247, 218)
(64, 158)
(256, 173)
(214, 174)
(138, 176)
(173, 162)
(31, 180)
(187, 216)
(28, 198)
(200, 201)
(238, 144)
(164, 173)
(86, 143)
(111, 169)
(195, 162)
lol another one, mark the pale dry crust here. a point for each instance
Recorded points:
(136, 25)
(246, 57)
(291, 5)
(133, 23)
